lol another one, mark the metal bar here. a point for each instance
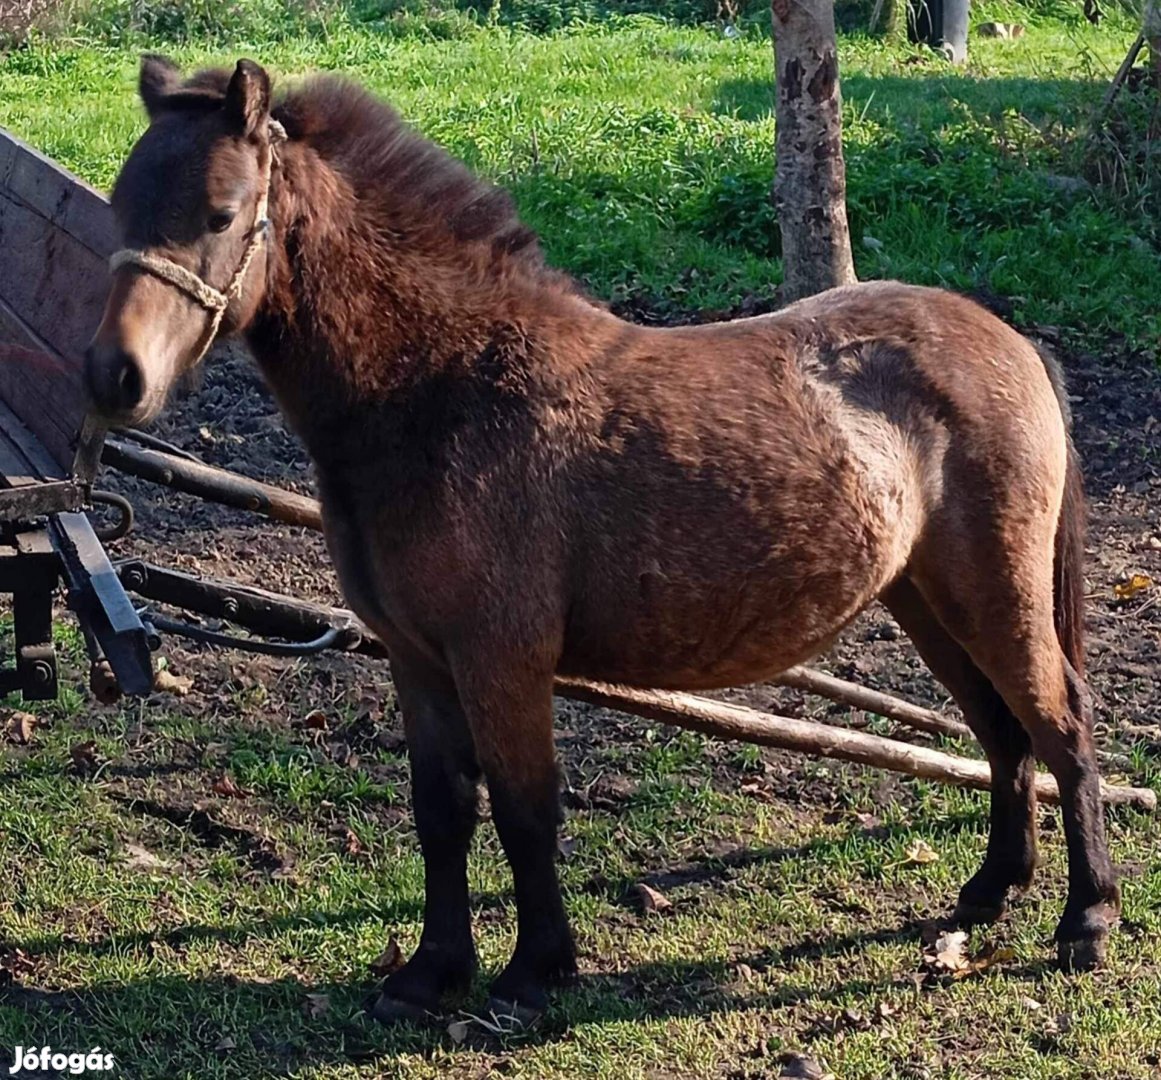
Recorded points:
(257, 610)
(212, 484)
(96, 595)
(328, 639)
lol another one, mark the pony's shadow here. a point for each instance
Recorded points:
(274, 1022)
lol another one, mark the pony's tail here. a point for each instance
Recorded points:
(1068, 576)
(1068, 584)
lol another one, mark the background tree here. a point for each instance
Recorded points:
(810, 175)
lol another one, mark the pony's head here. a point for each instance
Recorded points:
(191, 205)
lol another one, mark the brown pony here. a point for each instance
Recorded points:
(516, 483)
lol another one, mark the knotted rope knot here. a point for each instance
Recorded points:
(213, 300)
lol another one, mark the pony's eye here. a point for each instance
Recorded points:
(221, 221)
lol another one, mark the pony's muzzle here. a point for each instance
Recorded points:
(115, 380)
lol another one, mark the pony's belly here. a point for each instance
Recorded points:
(713, 640)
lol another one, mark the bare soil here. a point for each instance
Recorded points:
(229, 420)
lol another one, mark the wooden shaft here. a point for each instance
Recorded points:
(722, 720)
(214, 485)
(861, 697)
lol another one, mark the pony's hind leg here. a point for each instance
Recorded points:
(1002, 615)
(445, 779)
(1011, 856)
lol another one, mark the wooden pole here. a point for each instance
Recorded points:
(722, 720)
(213, 484)
(714, 718)
(810, 681)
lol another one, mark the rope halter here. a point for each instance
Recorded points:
(213, 300)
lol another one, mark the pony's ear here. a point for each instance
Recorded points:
(248, 98)
(159, 78)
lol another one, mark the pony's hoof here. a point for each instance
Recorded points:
(968, 913)
(392, 1010)
(1084, 954)
(1083, 944)
(513, 1016)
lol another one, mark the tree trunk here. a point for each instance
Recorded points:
(810, 176)
(1152, 30)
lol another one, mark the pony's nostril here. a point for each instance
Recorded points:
(130, 386)
(114, 378)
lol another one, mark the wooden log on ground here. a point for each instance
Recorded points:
(723, 720)
(861, 697)
(212, 484)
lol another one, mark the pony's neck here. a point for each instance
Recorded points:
(361, 306)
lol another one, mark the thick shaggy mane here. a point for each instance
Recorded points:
(372, 146)
(363, 138)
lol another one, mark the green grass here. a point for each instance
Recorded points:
(197, 934)
(642, 150)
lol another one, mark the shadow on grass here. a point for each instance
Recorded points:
(167, 1026)
(170, 1024)
(931, 94)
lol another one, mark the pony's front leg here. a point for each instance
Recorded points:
(510, 714)
(444, 785)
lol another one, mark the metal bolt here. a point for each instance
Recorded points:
(133, 578)
(42, 671)
(229, 607)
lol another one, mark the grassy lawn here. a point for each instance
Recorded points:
(198, 932)
(203, 929)
(641, 151)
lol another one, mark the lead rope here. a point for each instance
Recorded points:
(213, 300)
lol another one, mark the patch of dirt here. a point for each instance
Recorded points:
(230, 420)
(197, 821)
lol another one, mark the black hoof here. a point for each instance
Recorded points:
(1083, 954)
(969, 913)
(1083, 944)
(511, 1015)
(391, 1010)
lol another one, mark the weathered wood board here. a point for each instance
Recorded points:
(56, 235)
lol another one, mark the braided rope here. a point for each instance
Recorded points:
(213, 300)
(176, 275)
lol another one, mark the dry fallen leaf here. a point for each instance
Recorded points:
(458, 1030)
(800, 1067)
(352, 843)
(226, 1043)
(1136, 584)
(84, 756)
(166, 682)
(920, 852)
(20, 726)
(315, 720)
(317, 1005)
(651, 899)
(226, 785)
(947, 954)
(389, 960)
(143, 859)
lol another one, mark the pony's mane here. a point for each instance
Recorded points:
(427, 190)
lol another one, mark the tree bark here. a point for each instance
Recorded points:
(810, 175)
(1152, 31)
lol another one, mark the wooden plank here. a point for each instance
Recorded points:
(57, 195)
(54, 284)
(47, 394)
